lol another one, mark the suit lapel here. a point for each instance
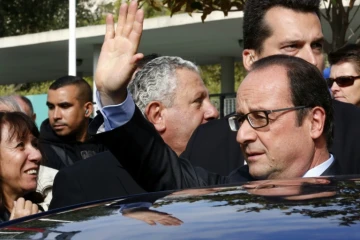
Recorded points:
(333, 169)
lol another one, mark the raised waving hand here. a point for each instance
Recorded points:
(119, 54)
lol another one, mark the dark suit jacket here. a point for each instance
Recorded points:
(333, 169)
(213, 145)
(152, 163)
(346, 146)
(98, 177)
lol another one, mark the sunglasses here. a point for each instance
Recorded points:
(344, 81)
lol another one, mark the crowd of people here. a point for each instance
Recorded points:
(158, 130)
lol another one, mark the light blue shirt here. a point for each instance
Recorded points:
(116, 115)
(136, 205)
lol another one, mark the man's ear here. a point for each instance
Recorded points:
(154, 114)
(249, 57)
(89, 108)
(318, 117)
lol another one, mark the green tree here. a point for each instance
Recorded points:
(31, 16)
(211, 74)
(152, 8)
(52, 15)
(31, 88)
(25, 88)
(204, 6)
(19, 17)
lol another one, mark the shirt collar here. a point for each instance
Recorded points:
(319, 169)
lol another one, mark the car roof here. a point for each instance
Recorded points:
(323, 207)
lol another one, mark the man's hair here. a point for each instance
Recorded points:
(348, 53)
(20, 125)
(307, 87)
(85, 92)
(10, 103)
(157, 81)
(255, 29)
(147, 58)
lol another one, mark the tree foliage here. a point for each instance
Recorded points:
(211, 74)
(152, 8)
(51, 15)
(31, 88)
(203, 6)
(31, 16)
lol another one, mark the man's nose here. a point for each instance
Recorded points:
(210, 112)
(56, 113)
(309, 55)
(246, 133)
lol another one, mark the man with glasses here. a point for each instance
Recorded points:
(290, 27)
(345, 73)
(284, 118)
(257, 119)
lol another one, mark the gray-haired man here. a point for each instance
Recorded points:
(172, 96)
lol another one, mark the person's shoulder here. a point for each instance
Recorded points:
(241, 174)
(93, 163)
(216, 125)
(4, 215)
(45, 129)
(346, 108)
(96, 124)
(45, 124)
(46, 177)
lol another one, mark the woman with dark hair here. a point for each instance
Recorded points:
(19, 166)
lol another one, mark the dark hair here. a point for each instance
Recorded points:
(255, 29)
(307, 87)
(20, 126)
(85, 92)
(147, 58)
(348, 53)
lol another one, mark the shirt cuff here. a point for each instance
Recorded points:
(116, 115)
(131, 206)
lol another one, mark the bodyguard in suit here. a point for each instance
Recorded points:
(283, 121)
(290, 27)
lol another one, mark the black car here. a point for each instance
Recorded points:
(303, 208)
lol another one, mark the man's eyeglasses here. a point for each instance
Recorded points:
(343, 81)
(257, 119)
